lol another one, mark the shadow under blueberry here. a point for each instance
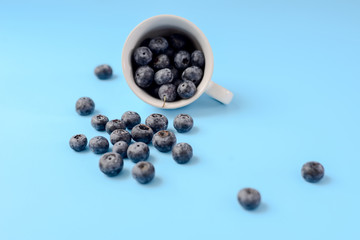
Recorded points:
(151, 159)
(154, 183)
(324, 181)
(193, 161)
(263, 207)
(85, 151)
(125, 173)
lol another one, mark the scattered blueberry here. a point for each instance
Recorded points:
(99, 145)
(120, 135)
(85, 106)
(182, 153)
(186, 89)
(183, 123)
(114, 124)
(197, 58)
(121, 147)
(99, 122)
(177, 41)
(157, 122)
(78, 142)
(167, 92)
(163, 76)
(142, 133)
(111, 164)
(138, 151)
(312, 171)
(143, 172)
(131, 119)
(161, 61)
(182, 60)
(249, 198)
(103, 71)
(193, 74)
(164, 140)
(158, 45)
(142, 56)
(144, 76)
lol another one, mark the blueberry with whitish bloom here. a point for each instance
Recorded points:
(103, 71)
(143, 172)
(99, 145)
(142, 56)
(198, 58)
(193, 74)
(85, 106)
(183, 123)
(142, 133)
(312, 171)
(157, 122)
(167, 92)
(182, 60)
(163, 76)
(186, 89)
(121, 147)
(111, 164)
(120, 135)
(249, 198)
(164, 140)
(161, 61)
(99, 122)
(78, 142)
(177, 41)
(182, 153)
(114, 124)
(158, 45)
(144, 76)
(138, 151)
(131, 118)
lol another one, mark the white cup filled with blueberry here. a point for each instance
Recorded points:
(167, 62)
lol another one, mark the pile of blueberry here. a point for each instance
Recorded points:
(154, 130)
(168, 68)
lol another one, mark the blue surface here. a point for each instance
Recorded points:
(294, 69)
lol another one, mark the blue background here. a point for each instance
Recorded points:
(293, 67)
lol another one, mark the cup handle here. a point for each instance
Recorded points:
(219, 93)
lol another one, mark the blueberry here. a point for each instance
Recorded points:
(182, 59)
(186, 89)
(161, 61)
(164, 140)
(312, 171)
(131, 119)
(249, 198)
(111, 164)
(198, 59)
(177, 41)
(174, 72)
(99, 122)
(153, 90)
(182, 153)
(121, 147)
(85, 106)
(99, 145)
(193, 74)
(167, 92)
(78, 142)
(145, 42)
(163, 76)
(157, 122)
(144, 76)
(143, 172)
(114, 124)
(183, 123)
(158, 45)
(103, 71)
(138, 151)
(120, 135)
(142, 133)
(177, 82)
(170, 52)
(142, 56)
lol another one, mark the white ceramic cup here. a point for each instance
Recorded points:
(163, 25)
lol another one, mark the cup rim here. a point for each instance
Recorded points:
(127, 56)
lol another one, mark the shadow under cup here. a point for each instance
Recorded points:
(165, 25)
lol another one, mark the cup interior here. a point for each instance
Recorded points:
(164, 25)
